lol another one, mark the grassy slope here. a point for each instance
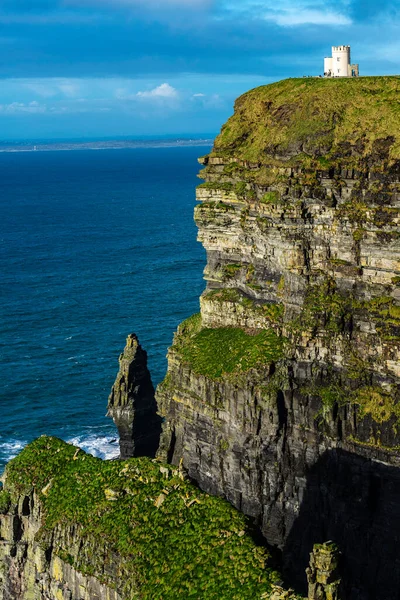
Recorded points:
(191, 546)
(325, 114)
(224, 351)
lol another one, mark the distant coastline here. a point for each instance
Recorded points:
(31, 146)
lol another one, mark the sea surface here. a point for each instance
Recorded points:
(94, 245)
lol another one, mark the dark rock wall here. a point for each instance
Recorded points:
(308, 444)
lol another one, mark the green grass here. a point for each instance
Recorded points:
(271, 198)
(227, 350)
(231, 270)
(173, 540)
(374, 401)
(210, 185)
(5, 501)
(324, 120)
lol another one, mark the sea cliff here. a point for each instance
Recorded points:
(282, 395)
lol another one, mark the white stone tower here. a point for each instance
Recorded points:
(339, 65)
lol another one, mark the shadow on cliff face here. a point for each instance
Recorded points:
(132, 404)
(140, 430)
(356, 503)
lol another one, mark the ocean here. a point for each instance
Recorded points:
(94, 245)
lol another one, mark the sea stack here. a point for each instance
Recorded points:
(132, 404)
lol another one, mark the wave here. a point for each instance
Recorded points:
(101, 446)
(10, 449)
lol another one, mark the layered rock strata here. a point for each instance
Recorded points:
(132, 404)
(30, 570)
(283, 395)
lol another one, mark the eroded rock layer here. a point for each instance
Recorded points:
(283, 395)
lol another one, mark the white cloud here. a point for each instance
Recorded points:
(52, 87)
(208, 101)
(21, 107)
(294, 17)
(312, 17)
(162, 91)
(44, 90)
(69, 89)
(288, 13)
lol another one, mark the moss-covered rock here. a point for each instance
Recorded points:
(225, 351)
(170, 539)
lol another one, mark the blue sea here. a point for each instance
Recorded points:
(94, 245)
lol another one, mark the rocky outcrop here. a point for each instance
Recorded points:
(132, 404)
(73, 527)
(323, 573)
(283, 395)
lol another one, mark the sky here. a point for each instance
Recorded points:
(133, 68)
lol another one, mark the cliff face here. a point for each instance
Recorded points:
(283, 395)
(34, 569)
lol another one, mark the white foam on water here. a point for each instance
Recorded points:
(10, 449)
(101, 446)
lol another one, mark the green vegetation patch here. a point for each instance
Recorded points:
(374, 401)
(5, 501)
(227, 350)
(323, 120)
(380, 404)
(327, 309)
(385, 313)
(173, 540)
(396, 281)
(229, 271)
(271, 198)
(211, 185)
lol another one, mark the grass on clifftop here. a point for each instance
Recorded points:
(322, 118)
(226, 350)
(175, 541)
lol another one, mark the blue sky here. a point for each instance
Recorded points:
(108, 68)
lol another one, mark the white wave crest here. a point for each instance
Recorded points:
(10, 449)
(101, 446)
